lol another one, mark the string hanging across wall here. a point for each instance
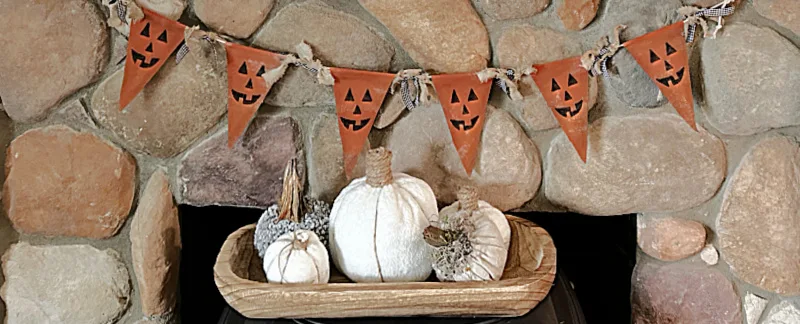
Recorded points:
(359, 94)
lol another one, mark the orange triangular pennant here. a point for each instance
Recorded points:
(565, 86)
(359, 95)
(664, 56)
(463, 97)
(246, 88)
(152, 40)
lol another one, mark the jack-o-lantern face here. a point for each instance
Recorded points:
(359, 95)
(352, 118)
(155, 37)
(663, 55)
(573, 107)
(249, 94)
(565, 87)
(463, 98)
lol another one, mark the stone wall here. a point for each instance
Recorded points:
(90, 189)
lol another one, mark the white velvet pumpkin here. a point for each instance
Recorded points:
(297, 257)
(376, 225)
(481, 254)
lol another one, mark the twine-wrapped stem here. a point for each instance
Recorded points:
(379, 167)
(289, 204)
(467, 198)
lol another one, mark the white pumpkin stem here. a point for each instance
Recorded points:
(467, 198)
(300, 241)
(379, 167)
(289, 204)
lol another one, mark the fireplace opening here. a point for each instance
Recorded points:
(596, 256)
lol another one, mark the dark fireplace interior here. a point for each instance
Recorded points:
(595, 254)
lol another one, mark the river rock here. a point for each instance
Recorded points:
(177, 106)
(62, 182)
(786, 312)
(754, 306)
(508, 171)
(171, 9)
(70, 284)
(513, 9)
(669, 238)
(248, 175)
(678, 293)
(764, 93)
(784, 12)
(577, 14)
(156, 246)
(42, 61)
(642, 163)
(337, 39)
(759, 220)
(326, 176)
(237, 18)
(522, 46)
(443, 36)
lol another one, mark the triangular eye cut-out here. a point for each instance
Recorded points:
(472, 96)
(670, 50)
(654, 57)
(349, 96)
(357, 111)
(454, 97)
(243, 68)
(555, 86)
(261, 71)
(367, 97)
(571, 81)
(146, 30)
(163, 36)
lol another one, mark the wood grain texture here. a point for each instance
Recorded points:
(529, 274)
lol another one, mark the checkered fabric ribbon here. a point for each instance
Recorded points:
(409, 92)
(307, 67)
(708, 12)
(603, 63)
(502, 83)
(122, 10)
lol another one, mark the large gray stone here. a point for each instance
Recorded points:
(513, 9)
(63, 182)
(759, 220)
(177, 106)
(752, 97)
(508, 170)
(156, 247)
(238, 18)
(326, 176)
(628, 81)
(444, 36)
(338, 39)
(520, 47)
(784, 12)
(678, 293)
(69, 284)
(646, 163)
(248, 175)
(787, 312)
(51, 48)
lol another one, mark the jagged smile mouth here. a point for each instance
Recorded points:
(567, 112)
(137, 57)
(462, 125)
(675, 81)
(241, 97)
(353, 125)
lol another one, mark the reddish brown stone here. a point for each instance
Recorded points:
(576, 14)
(784, 12)
(513, 9)
(670, 239)
(62, 182)
(678, 293)
(155, 246)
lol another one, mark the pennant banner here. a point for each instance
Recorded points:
(152, 40)
(246, 87)
(664, 56)
(565, 87)
(463, 98)
(359, 95)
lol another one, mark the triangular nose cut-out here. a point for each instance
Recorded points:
(465, 111)
(243, 68)
(670, 50)
(567, 97)
(249, 84)
(349, 96)
(149, 48)
(653, 57)
(357, 111)
(667, 66)
(454, 97)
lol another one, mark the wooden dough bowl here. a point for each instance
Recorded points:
(529, 274)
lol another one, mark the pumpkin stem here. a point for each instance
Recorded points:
(467, 198)
(300, 241)
(379, 167)
(289, 204)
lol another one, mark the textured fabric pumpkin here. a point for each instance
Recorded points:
(297, 257)
(376, 225)
(471, 240)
